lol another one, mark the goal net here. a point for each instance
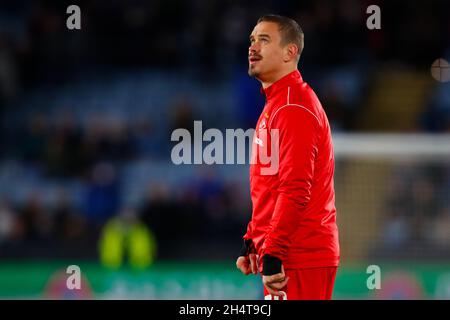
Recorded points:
(393, 197)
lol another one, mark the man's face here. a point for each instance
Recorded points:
(265, 54)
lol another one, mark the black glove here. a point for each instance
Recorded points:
(247, 248)
(271, 265)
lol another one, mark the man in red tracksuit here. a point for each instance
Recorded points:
(292, 238)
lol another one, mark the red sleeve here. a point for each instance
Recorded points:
(298, 139)
(248, 234)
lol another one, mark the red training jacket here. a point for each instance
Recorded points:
(294, 214)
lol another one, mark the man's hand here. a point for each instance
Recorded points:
(275, 282)
(248, 264)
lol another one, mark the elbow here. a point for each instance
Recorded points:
(297, 191)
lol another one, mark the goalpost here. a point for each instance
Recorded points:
(393, 196)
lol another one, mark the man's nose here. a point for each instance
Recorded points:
(254, 48)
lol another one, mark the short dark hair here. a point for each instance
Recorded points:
(290, 30)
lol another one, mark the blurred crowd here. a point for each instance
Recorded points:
(210, 40)
(181, 218)
(416, 218)
(86, 156)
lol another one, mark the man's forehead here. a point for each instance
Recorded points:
(265, 27)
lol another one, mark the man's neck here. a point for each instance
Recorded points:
(267, 83)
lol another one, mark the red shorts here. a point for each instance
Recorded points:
(307, 284)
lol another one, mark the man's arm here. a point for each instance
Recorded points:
(298, 139)
(248, 234)
(247, 260)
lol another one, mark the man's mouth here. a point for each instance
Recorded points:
(254, 59)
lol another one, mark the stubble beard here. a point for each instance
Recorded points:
(252, 72)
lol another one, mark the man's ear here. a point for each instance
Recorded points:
(291, 52)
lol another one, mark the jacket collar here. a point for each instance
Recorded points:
(290, 78)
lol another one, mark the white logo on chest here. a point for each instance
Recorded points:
(262, 125)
